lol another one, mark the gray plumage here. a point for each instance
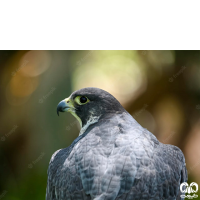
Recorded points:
(115, 158)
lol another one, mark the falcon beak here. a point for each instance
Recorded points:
(65, 106)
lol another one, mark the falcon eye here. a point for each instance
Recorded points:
(81, 100)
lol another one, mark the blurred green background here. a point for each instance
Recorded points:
(160, 89)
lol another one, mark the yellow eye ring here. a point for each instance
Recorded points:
(81, 100)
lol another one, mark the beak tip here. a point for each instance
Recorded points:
(62, 107)
(58, 110)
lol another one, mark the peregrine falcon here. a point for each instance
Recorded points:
(113, 157)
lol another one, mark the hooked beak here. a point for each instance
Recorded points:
(64, 106)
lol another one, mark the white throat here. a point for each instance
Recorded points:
(92, 120)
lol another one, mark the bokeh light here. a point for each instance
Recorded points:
(119, 75)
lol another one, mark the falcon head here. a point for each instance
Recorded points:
(89, 103)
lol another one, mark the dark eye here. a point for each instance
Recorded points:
(83, 99)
